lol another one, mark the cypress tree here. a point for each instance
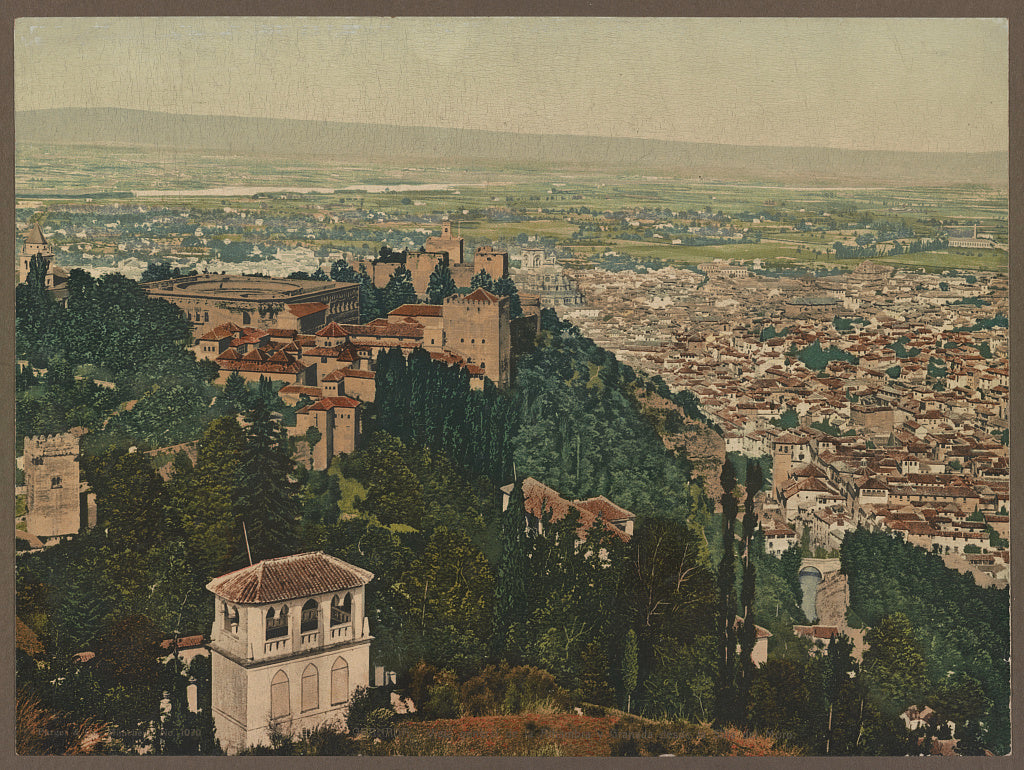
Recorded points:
(748, 630)
(441, 284)
(399, 291)
(726, 700)
(506, 287)
(510, 600)
(630, 667)
(369, 297)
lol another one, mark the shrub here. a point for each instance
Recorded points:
(364, 702)
(444, 697)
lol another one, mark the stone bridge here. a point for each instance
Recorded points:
(821, 566)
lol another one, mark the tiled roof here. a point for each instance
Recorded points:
(183, 642)
(288, 577)
(479, 295)
(422, 311)
(35, 236)
(258, 360)
(333, 329)
(359, 374)
(303, 309)
(605, 508)
(329, 402)
(217, 334)
(538, 498)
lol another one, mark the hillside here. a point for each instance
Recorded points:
(437, 147)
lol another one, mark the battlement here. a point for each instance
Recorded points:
(56, 445)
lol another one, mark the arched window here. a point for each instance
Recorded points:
(277, 626)
(280, 705)
(339, 682)
(341, 612)
(310, 688)
(230, 618)
(310, 610)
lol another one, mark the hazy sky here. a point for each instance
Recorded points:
(892, 84)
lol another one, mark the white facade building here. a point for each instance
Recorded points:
(290, 644)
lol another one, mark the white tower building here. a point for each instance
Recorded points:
(290, 644)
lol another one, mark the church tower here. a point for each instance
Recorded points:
(34, 244)
(290, 644)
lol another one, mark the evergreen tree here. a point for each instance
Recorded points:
(343, 272)
(441, 284)
(204, 498)
(399, 290)
(506, 287)
(482, 280)
(510, 600)
(236, 395)
(369, 297)
(266, 501)
(748, 630)
(726, 700)
(630, 668)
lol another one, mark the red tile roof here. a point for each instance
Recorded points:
(329, 402)
(422, 311)
(183, 642)
(288, 577)
(303, 309)
(219, 333)
(258, 360)
(359, 374)
(480, 295)
(333, 329)
(605, 508)
(538, 498)
(301, 390)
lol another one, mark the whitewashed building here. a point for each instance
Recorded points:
(290, 644)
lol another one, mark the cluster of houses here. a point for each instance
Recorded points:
(911, 438)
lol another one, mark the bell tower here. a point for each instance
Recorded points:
(290, 644)
(34, 244)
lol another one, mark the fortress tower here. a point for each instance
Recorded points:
(452, 246)
(477, 327)
(290, 644)
(59, 504)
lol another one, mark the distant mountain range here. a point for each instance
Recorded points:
(465, 148)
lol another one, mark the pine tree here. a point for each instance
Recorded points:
(506, 287)
(441, 284)
(236, 393)
(266, 502)
(510, 600)
(482, 280)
